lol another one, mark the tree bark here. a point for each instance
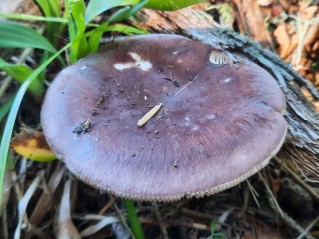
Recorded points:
(302, 142)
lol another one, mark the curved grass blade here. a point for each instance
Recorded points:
(96, 7)
(50, 8)
(169, 5)
(127, 12)
(6, 137)
(37, 18)
(21, 73)
(128, 30)
(14, 35)
(33, 18)
(96, 34)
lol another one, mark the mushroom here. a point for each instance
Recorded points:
(209, 126)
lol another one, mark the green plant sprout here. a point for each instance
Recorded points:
(215, 235)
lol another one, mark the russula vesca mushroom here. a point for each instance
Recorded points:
(217, 123)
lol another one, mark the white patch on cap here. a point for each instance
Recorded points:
(208, 118)
(139, 62)
(211, 116)
(224, 81)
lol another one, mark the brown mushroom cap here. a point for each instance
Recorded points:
(218, 125)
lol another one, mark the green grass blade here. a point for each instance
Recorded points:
(21, 73)
(77, 28)
(127, 12)
(128, 30)
(6, 137)
(14, 35)
(94, 41)
(213, 224)
(96, 34)
(133, 219)
(50, 7)
(32, 18)
(77, 10)
(169, 5)
(95, 7)
(54, 27)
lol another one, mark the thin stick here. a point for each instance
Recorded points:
(160, 222)
(120, 214)
(275, 206)
(107, 206)
(149, 115)
(185, 86)
(306, 231)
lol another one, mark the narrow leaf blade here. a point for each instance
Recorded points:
(95, 7)
(14, 35)
(169, 5)
(133, 219)
(21, 73)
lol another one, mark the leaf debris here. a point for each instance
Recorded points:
(149, 115)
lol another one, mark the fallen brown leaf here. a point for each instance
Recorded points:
(32, 144)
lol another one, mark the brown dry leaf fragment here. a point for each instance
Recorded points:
(32, 144)
(44, 202)
(64, 227)
(307, 31)
(251, 22)
(23, 203)
(89, 231)
(6, 190)
(149, 115)
(283, 38)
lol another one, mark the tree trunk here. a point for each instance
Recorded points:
(302, 142)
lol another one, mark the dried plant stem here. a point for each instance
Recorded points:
(23, 202)
(160, 222)
(18, 191)
(306, 231)
(120, 214)
(4, 223)
(177, 223)
(275, 206)
(107, 206)
(306, 186)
